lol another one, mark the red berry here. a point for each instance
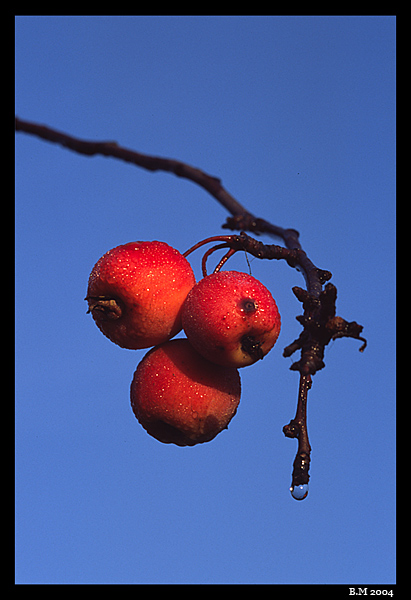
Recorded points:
(231, 318)
(179, 397)
(136, 292)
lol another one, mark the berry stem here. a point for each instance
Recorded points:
(216, 238)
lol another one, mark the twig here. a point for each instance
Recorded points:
(152, 163)
(319, 321)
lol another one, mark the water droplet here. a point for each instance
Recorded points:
(299, 492)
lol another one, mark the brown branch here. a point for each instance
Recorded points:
(319, 321)
(152, 163)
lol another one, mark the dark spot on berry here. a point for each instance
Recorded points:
(248, 305)
(250, 346)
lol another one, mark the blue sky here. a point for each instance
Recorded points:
(297, 116)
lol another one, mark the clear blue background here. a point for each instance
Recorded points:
(297, 116)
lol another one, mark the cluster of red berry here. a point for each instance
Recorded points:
(184, 391)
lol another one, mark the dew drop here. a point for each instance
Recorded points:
(299, 492)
